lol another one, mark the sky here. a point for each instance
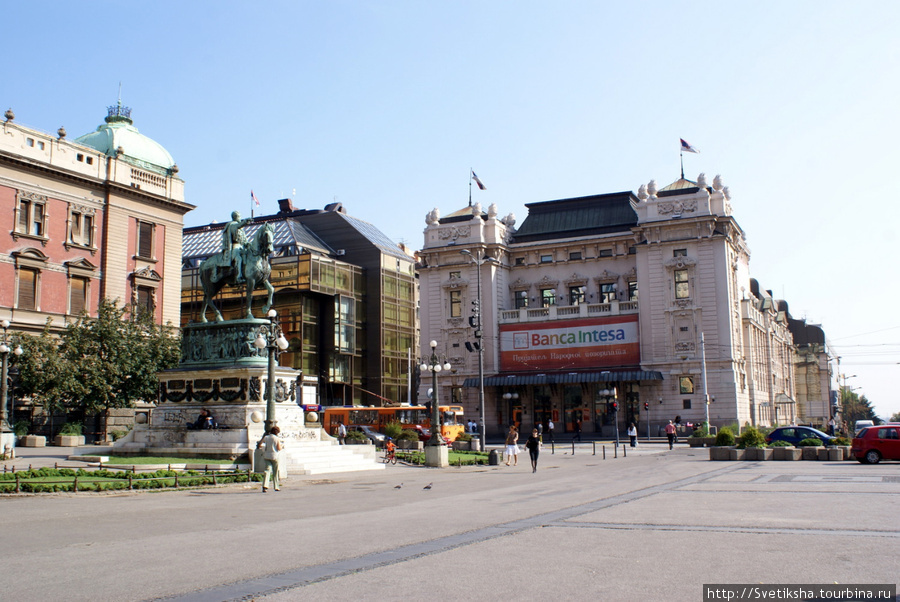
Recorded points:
(385, 106)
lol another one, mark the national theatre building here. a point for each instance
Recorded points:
(606, 310)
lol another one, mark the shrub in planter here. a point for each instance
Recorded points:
(751, 437)
(393, 430)
(21, 428)
(779, 444)
(725, 437)
(464, 437)
(407, 435)
(71, 429)
(841, 441)
(810, 442)
(356, 436)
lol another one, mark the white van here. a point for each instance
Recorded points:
(861, 424)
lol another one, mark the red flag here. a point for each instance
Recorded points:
(477, 181)
(254, 199)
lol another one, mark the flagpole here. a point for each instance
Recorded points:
(470, 187)
(682, 164)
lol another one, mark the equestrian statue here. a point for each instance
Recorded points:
(241, 262)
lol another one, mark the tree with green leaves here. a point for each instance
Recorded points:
(856, 407)
(98, 364)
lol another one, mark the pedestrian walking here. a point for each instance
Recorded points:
(271, 444)
(831, 424)
(578, 430)
(632, 434)
(342, 433)
(550, 430)
(670, 433)
(512, 445)
(533, 445)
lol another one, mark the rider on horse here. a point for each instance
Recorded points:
(233, 243)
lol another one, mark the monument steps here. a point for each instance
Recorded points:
(323, 457)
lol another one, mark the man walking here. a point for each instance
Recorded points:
(670, 433)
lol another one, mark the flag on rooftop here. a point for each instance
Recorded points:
(477, 181)
(256, 200)
(687, 148)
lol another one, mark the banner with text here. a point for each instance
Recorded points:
(570, 344)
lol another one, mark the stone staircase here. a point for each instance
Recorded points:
(323, 457)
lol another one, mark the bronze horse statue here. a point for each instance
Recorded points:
(215, 274)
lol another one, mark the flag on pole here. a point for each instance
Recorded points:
(256, 200)
(477, 181)
(687, 148)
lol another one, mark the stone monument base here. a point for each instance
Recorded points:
(437, 456)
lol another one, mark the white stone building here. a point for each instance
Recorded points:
(601, 299)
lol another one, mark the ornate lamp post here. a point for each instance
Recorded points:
(271, 338)
(436, 450)
(479, 259)
(4, 401)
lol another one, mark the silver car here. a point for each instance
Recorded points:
(373, 435)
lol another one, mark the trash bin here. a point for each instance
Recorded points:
(493, 458)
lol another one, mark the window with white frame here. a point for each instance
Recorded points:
(81, 226)
(31, 215)
(576, 294)
(27, 288)
(632, 290)
(682, 285)
(521, 299)
(607, 292)
(145, 240)
(455, 304)
(78, 295)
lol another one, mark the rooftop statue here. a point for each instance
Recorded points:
(241, 262)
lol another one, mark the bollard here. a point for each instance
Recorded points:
(624, 451)
(573, 447)
(604, 452)
(552, 448)
(18, 485)
(56, 465)
(594, 446)
(493, 458)
(130, 483)
(616, 451)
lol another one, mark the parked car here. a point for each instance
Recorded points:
(796, 434)
(860, 425)
(373, 435)
(876, 443)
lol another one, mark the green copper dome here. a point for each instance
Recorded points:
(118, 134)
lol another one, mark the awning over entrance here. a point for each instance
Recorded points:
(574, 377)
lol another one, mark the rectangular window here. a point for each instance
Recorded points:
(576, 295)
(27, 289)
(345, 324)
(686, 385)
(521, 299)
(574, 255)
(520, 261)
(82, 229)
(633, 290)
(145, 240)
(686, 404)
(606, 253)
(548, 297)
(145, 298)
(682, 287)
(77, 295)
(455, 304)
(32, 218)
(679, 253)
(608, 292)
(455, 275)
(546, 258)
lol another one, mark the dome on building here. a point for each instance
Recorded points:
(119, 133)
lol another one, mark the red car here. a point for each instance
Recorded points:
(876, 443)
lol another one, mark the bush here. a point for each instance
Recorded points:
(407, 435)
(393, 429)
(464, 437)
(21, 428)
(71, 428)
(841, 441)
(701, 430)
(116, 435)
(356, 436)
(725, 437)
(751, 437)
(779, 444)
(810, 442)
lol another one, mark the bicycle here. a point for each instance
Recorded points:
(390, 457)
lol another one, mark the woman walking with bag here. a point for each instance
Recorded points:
(271, 444)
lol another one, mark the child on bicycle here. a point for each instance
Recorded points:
(389, 446)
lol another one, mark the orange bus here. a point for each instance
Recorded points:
(452, 422)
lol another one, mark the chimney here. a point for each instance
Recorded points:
(285, 206)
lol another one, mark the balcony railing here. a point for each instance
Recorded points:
(567, 312)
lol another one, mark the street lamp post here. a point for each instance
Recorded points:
(4, 393)
(610, 396)
(479, 259)
(434, 365)
(271, 338)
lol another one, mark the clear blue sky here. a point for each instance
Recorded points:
(385, 106)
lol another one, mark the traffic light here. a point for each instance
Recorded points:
(615, 406)
(646, 406)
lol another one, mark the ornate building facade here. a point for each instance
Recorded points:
(98, 217)
(607, 310)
